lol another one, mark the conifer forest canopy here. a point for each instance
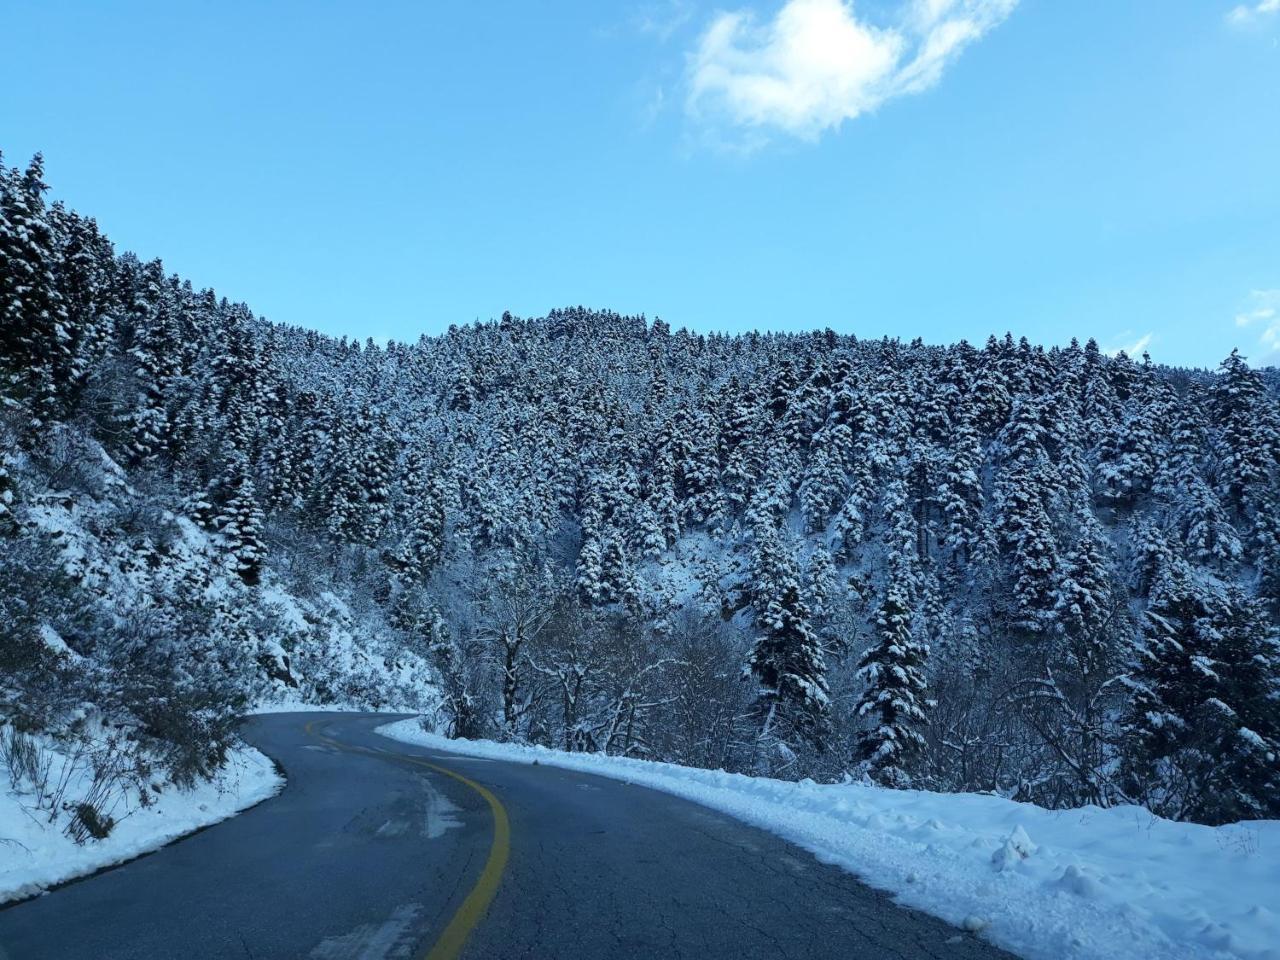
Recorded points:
(1046, 572)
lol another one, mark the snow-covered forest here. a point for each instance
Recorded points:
(1044, 572)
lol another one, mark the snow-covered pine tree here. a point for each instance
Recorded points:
(615, 574)
(1071, 699)
(377, 463)
(1149, 554)
(8, 496)
(787, 661)
(822, 489)
(822, 590)
(1240, 407)
(1085, 593)
(422, 543)
(1201, 731)
(1022, 519)
(1127, 458)
(894, 703)
(698, 473)
(1206, 529)
(241, 522)
(85, 273)
(1246, 706)
(991, 396)
(590, 564)
(35, 340)
(960, 495)
(155, 364)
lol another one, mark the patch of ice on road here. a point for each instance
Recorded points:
(1086, 884)
(441, 814)
(390, 940)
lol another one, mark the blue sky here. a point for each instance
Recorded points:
(933, 168)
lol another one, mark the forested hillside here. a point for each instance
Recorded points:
(1050, 573)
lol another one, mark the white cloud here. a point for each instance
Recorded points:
(1134, 348)
(1263, 315)
(816, 64)
(1247, 13)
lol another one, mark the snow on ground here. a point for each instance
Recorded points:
(286, 705)
(35, 854)
(1092, 884)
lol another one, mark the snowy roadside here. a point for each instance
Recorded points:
(302, 706)
(35, 854)
(1092, 884)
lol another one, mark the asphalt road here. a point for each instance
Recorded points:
(379, 850)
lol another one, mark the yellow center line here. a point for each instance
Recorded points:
(472, 910)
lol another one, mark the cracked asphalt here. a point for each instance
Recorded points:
(366, 856)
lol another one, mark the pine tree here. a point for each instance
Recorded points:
(1205, 526)
(697, 472)
(1267, 540)
(464, 393)
(787, 659)
(1165, 687)
(8, 496)
(35, 336)
(1071, 700)
(1127, 457)
(1149, 554)
(284, 458)
(1084, 594)
(960, 494)
(1022, 519)
(590, 565)
(241, 522)
(822, 587)
(1203, 738)
(422, 545)
(356, 503)
(894, 701)
(650, 537)
(84, 274)
(377, 464)
(615, 579)
(850, 527)
(1241, 408)
(154, 353)
(1246, 774)
(416, 555)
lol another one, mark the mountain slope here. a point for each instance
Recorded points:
(1047, 573)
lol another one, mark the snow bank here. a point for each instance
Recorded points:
(35, 854)
(1089, 883)
(285, 705)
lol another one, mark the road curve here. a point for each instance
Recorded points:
(379, 850)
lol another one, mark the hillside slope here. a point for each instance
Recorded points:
(1048, 573)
